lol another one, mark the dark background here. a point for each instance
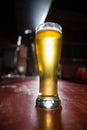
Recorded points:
(16, 16)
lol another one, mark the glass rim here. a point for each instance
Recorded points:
(49, 26)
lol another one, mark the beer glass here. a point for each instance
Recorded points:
(48, 38)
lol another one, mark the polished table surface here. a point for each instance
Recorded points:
(18, 111)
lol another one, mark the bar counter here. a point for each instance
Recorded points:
(18, 111)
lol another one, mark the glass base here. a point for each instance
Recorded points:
(48, 103)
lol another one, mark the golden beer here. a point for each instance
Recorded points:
(48, 50)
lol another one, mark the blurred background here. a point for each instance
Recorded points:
(18, 19)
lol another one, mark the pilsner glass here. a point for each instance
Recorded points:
(48, 38)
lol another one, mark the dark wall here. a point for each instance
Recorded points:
(8, 20)
(74, 25)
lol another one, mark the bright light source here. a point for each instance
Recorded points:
(19, 40)
(27, 31)
(48, 49)
(48, 104)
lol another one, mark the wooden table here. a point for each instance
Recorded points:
(18, 111)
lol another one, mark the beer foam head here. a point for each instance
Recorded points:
(49, 26)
